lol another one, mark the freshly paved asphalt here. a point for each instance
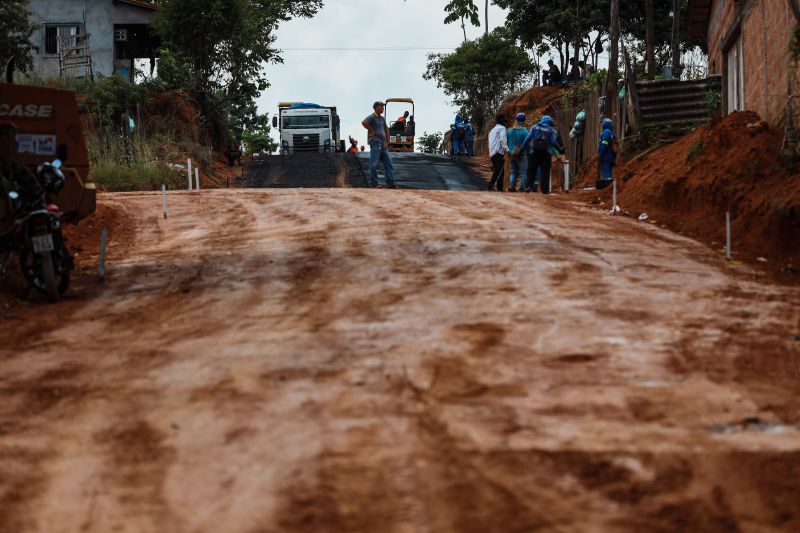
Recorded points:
(427, 172)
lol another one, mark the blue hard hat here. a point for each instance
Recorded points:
(547, 120)
(521, 117)
(608, 124)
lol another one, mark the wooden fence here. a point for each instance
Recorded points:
(580, 148)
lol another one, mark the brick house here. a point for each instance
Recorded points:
(748, 45)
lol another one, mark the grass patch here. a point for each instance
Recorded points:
(695, 150)
(114, 176)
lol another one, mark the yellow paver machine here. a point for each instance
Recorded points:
(401, 130)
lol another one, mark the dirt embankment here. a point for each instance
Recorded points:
(733, 164)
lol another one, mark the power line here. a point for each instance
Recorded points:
(378, 49)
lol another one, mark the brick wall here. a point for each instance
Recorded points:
(766, 31)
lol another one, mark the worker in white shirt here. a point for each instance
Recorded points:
(498, 148)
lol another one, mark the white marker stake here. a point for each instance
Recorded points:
(615, 208)
(189, 170)
(566, 176)
(728, 254)
(103, 245)
(164, 199)
(196, 178)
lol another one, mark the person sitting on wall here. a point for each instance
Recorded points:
(552, 76)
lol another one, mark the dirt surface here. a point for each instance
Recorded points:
(371, 360)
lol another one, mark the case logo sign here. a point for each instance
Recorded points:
(36, 144)
(26, 110)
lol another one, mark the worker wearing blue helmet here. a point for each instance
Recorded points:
(607, 153)
(542, 137)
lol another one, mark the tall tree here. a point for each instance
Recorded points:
(478, 73)
(462, 10)
(676, 37)
(554, 22)
(486, 15)
(613, 61)
(650, 39)
(217, 48)
(16, 29)
(578, 33)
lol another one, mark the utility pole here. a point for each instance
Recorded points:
(676, 38)
(650, 54)
(613, 61)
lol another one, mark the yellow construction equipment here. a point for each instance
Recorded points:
(401, 131)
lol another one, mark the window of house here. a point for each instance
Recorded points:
(53, 31)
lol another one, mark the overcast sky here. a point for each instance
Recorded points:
(353, 79)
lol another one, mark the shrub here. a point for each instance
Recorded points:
(695, 150)
(113, 176)
(713, 102)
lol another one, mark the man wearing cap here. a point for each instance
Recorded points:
(378, 140)
(519, 157)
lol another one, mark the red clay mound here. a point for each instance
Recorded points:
(732, 165)
(534, 102)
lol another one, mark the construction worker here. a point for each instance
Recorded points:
(606, 154)
(459, 136)
(470, 139)
(498, 148)
(542, 138)
(519, 157)
(353, 146)
(378, 140)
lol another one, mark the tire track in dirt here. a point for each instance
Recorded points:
(296, 360)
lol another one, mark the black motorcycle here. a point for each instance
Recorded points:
(37, 238)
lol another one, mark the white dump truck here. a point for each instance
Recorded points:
(307, 127)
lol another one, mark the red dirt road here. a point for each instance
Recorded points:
(393, 361)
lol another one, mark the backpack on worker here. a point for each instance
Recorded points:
(613, 149)
(540, 140)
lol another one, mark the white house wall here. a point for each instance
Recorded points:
(100, 17)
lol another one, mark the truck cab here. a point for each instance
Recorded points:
(306, 127)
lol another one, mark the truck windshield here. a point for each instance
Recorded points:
(306, 122)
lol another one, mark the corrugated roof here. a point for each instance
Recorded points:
(138, 3)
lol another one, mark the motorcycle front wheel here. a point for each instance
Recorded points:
(41, 274)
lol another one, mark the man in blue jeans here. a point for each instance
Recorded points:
(378, 138)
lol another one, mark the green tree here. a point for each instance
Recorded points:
(478, 73)
(462, 10)
(251, 128)
(218, 49)
(429, 143)
(554, 24)
(16, 29)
